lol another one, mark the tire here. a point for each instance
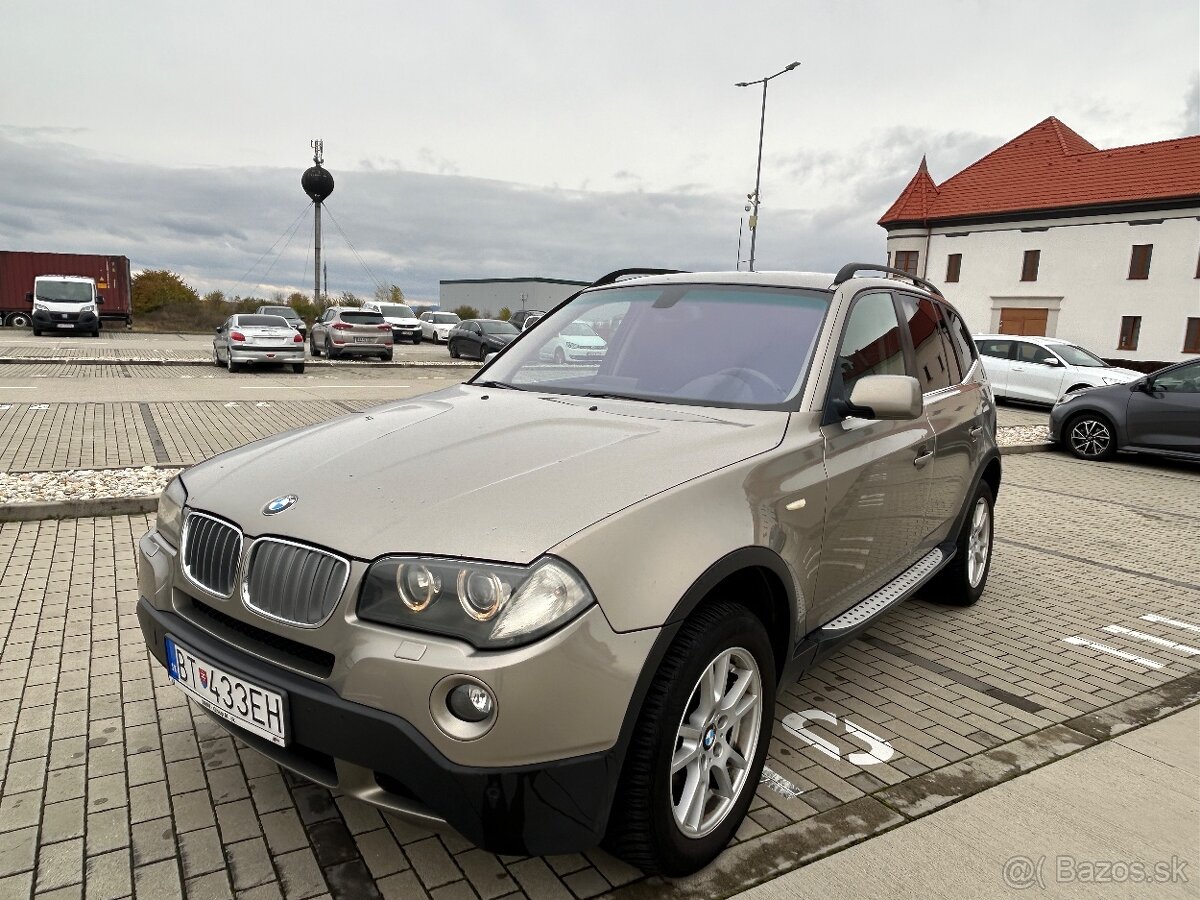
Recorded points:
(230, 364)
(386, 357)
(298, 368)
(21, 320)
(36, 333)
(1090, 436)
(312, 347)
(329, 351)
(560, 358)
(963, 579)
(216, 358)
(96, 333)
(453, 348)
(416, 339)
(645, 828)
(483, 352)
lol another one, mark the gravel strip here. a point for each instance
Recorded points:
(1011, 435)
(83, 484)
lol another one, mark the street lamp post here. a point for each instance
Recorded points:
(753, 198)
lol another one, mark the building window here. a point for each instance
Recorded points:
(953, 266)
(1131, 326)
(906, 261)
(1191, 337)
(1029, 268)
(1139, 261)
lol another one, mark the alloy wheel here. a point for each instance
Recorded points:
(716, 742)
(979, 542)
(1090, 437)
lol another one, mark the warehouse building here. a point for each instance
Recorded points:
(490, 295)
(1048, 235)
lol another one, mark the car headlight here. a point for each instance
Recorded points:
(170, 511)
(90, 307)
(39, 305)
(1109, 379)
(486, 604)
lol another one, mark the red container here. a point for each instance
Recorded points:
(19, 268)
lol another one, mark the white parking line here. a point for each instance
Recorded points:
(1174, 623)
(312, 387)
(1142, 636)
(14, 387)
(1113, 651)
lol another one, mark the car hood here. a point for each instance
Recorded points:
(1118, 372)
(491, 474)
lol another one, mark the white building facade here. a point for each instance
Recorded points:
(1118, 272)
(490, 295)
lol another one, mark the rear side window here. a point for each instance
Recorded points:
(996, 349)
(960, 340)
(362, 318)
(871, 344)
(930, 353)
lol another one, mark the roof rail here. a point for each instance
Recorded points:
(626, 273)
(849, 270)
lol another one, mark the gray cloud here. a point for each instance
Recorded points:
(1190, 123)
(215, 226)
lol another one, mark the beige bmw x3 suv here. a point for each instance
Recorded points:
(571, 628)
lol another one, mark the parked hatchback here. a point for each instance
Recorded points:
(572, 627)
(248, 338)
(1041, 369)
(292, 317)
(477, 338)
(1157, 414)
(351, 331)
(436, 326)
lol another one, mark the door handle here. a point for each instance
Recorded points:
(976, 431)
(923, 458)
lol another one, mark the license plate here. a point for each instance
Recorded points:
(64, 325)
(364, 340)
(232, 697)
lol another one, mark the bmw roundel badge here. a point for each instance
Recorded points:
(279, 504)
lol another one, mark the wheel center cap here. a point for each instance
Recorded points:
(710, 736)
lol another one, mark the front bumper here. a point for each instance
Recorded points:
(54, 321)
(405, 332)
(556, 807)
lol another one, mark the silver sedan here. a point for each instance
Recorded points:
(251, 338)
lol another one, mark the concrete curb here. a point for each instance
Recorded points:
(98, 507)
(1018, 449)
(318, 363)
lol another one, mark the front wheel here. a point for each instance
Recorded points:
(1091, 437)
(298, 368)
(698, 749)
(963, 579)
(416, 339)
(453, 348)
(313, 348)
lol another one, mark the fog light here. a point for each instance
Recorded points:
(470, 702)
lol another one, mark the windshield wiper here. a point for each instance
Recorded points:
(498, 384)
(606, 395)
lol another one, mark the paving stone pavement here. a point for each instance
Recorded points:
(114, 785)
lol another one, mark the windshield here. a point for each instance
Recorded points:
(262, 322)
(286, 311)
(444, 319)
(64, 291)
(395, 311)
(496, 327)
(361, 318)
(1077, 356)
(725, 345)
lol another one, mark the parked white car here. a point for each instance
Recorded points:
(436, 326)
(404, 322)
(1043, 369)
(576, 343)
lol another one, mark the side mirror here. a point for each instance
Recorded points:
(218, 329)
(1052, 361)
(99, 300)
(29, 297)
(885, 397)
(1145, 385)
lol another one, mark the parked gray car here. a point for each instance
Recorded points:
(351, 331)
(248, 338)
(1157, 414)
(572, 626)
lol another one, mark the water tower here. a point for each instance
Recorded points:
(318, 184)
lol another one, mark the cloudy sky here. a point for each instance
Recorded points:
(559, 139)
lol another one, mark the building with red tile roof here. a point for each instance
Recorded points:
(1050, 234)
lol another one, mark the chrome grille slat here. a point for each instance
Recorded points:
(293, 583)
(211, 552)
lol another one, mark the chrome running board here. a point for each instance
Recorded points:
(884, 598)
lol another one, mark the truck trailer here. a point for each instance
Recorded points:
(19, 270)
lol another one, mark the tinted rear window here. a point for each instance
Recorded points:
(263, 321)
(362, 318)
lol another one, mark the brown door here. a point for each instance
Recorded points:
(1031, 322)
